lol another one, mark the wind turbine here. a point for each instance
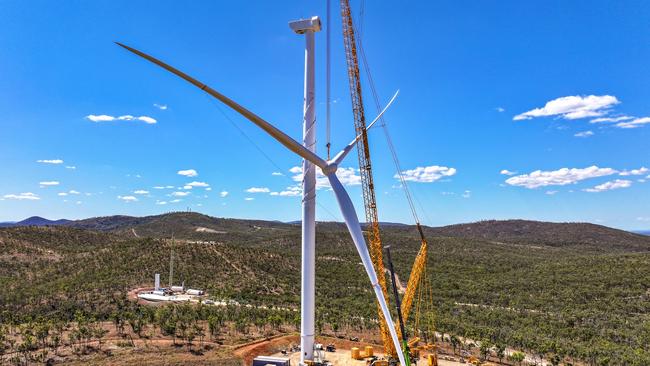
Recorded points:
(328, 167)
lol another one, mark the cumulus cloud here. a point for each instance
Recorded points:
(584, 134)
(258, 190)
(187, 187)
(610, 119)
(572, 107)
(141, 191)
(127, 198)
(180, 194)
(558, 177)
(22, 196)
(427, 174)
(62, 194)
(188, 173)
(72, 191)
(607, 186)
(347, 176)
(49, 183)
(507, 172)
(126, 117)
(223, 194)
(162, 107)
(198, 184)
(641, 171)
(52, 161)
(290, 191)
(249, 198)
(635, 123)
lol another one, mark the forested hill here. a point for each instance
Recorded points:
(190, 225)
(570, 289)
(525, 232)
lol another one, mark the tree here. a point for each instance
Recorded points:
(455, 342)
(500, 351)
(485, 349)
(517, 357)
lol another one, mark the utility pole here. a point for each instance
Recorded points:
(308, 281)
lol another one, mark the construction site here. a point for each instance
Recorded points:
(410, 335)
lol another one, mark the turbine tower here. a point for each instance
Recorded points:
(308, 276)
(328, 168)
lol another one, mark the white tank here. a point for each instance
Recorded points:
(177, 288)
(194, 292)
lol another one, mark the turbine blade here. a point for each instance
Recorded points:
(283, 138)
(352, 222)
(341, 155)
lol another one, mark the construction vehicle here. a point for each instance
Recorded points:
(417, 285)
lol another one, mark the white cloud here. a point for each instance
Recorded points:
(127, 198)
(551, 193)
(249, 198)
(72, 167)
(208, 189)
(290, 191)
(500, 109)
(616, 184)
(141, 191)
(180, 194)
(161, 202)
(162, 107)
(159, 187)
(427, 174)
(187, 187)
(198, 184)
(347, 176)
(223, 194)
(49, 183)
(572, 107)
(72, 191)
(53, 161)
(22, 196)
(276, 173)
(175, 200)
(610, 119)
(558, 177)
(126, 117)
(188, 173)
(507, 172)
(467, 194)
(62, 194)
(100, 118)
(258, 190)
(640, 218)
(635, 123)
(641, 171)
(584, 134)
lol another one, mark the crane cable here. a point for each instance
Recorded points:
(391, 147)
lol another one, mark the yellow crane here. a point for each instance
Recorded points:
(417, 280)
(365, 166)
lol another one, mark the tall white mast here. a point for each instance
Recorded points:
(308, 281)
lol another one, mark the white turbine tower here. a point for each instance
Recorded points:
(308, 267)
(329, 170)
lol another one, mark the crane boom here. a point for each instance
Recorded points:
(419, 266)
(365, 166)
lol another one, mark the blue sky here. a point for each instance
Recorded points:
(508, 109)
